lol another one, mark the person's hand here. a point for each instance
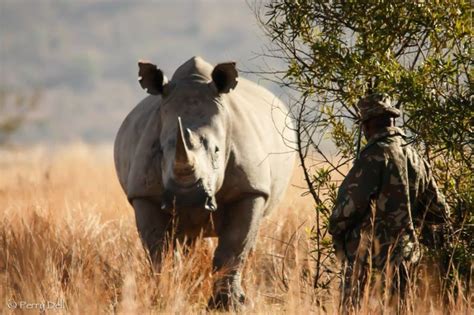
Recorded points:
(339, 249)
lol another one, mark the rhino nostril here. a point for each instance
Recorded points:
(168, 202)
(210, 204)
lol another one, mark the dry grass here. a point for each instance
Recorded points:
(68, 234)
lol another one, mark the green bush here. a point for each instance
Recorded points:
(420, 53)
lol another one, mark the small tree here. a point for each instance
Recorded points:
(419, 52)
(14, 111)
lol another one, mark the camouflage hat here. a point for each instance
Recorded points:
(375, 105)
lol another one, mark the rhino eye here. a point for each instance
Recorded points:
(215, 158)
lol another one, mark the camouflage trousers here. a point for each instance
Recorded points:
(359, 278)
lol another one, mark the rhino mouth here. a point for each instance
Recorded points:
(195, 195)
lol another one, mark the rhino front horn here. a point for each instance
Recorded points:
(183, 157)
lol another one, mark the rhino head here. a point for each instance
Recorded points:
(193, 128)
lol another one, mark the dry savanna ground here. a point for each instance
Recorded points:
(67, 235)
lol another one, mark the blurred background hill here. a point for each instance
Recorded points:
(79, 58)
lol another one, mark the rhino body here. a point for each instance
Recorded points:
(205, 154)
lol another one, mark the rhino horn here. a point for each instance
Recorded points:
(192, 138)
(183, 156)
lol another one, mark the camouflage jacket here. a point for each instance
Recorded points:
(388, 194)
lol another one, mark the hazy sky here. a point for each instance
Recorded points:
(82, 55)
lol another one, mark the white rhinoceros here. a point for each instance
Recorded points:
(204, 154)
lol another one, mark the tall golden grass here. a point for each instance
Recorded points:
(67, 235)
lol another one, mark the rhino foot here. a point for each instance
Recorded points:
(227, 301)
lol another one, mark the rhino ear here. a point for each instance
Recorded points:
(151, 78)
(225, 76)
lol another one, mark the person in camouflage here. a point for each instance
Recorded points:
(387, 196)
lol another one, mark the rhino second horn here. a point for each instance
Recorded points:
(183, 156)
(192, 138)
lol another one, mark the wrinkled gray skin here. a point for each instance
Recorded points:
(204, 154)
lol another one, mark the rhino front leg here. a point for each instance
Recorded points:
(152, 225)
(237, 236)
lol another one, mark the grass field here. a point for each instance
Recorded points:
(68, 236)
